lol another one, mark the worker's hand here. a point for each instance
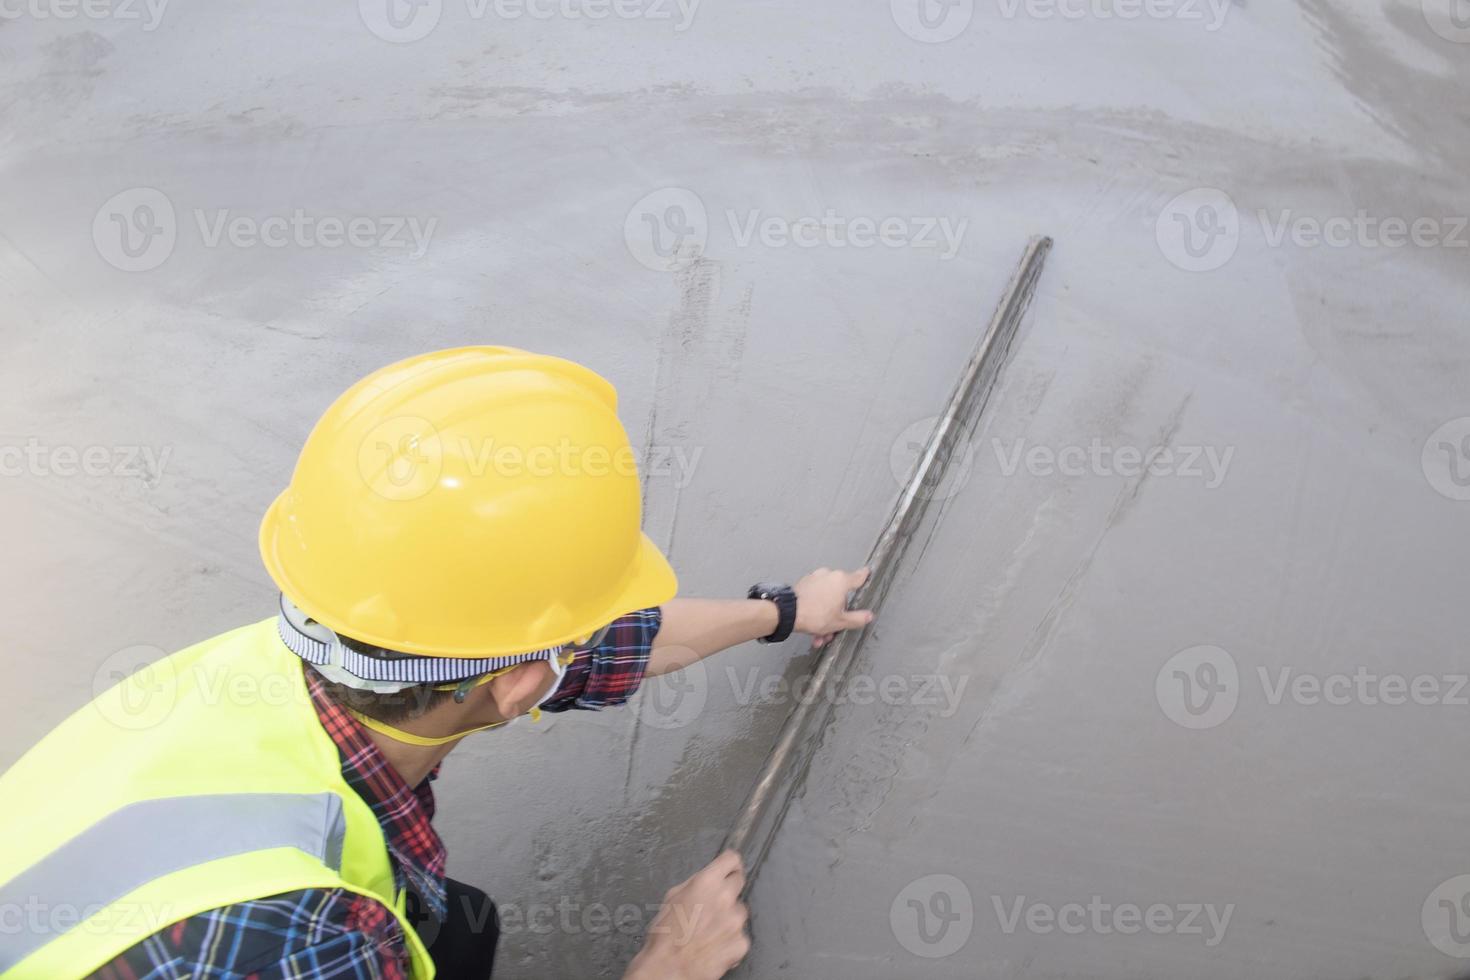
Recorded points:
(699, 934)
(821, 604)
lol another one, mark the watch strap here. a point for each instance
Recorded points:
(784, 596)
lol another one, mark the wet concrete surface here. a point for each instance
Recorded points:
(1030, 749)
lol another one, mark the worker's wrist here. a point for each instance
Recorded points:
(766, 617)
(649, 965)
(783, 598)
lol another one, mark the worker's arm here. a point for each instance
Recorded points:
(692, 629)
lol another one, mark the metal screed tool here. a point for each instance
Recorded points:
(764, 808)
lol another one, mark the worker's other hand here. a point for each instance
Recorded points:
(821, 604)
(699, 934)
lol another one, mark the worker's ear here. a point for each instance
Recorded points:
(516, 691)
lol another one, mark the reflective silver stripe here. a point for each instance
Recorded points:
(145, 841)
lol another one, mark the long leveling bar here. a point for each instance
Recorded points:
(771, 794)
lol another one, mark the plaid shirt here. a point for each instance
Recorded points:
(332, 933)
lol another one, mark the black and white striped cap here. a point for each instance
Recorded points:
(383, 671)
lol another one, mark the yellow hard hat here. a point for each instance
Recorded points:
(474, 502)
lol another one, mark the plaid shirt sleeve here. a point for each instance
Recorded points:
(609, 674)
(319, 933)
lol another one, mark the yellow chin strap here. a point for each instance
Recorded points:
(399, 735)
(460, 691)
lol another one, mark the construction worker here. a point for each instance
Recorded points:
(459, 546)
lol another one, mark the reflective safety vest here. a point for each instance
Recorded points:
(202, 780)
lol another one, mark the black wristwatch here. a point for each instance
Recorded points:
(784, 596)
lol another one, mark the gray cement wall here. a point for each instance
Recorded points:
(585, 187)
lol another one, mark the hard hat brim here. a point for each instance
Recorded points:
(650, 582)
